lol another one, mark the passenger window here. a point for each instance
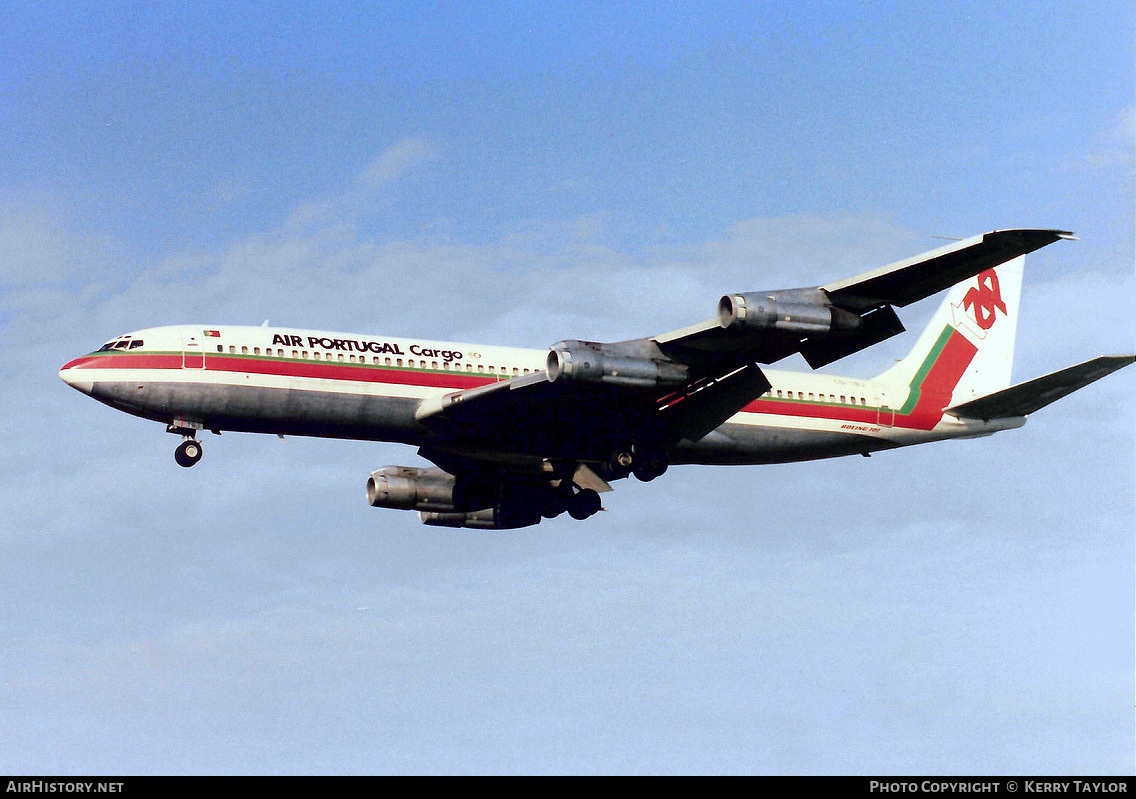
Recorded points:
(295, 354)
(244, 350)
(433, 364)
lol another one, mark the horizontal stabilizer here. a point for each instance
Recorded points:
(1025, 398)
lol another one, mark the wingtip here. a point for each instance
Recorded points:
(1050, 230)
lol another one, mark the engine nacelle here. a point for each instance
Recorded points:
(586, 362)
(802, 315)
(407, 488)
(500, 517)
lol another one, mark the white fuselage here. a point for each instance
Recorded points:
(303, 382)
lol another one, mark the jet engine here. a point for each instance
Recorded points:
(499, 517)
(408, 488)
(800, 311)
(588, 362)
(444, 500)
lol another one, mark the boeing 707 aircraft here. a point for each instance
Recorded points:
(518, 435)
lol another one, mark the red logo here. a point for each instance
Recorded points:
(985, 298)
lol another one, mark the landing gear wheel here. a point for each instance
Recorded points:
(654, 467)
(187, 453)
(584, 504)
(555, 502)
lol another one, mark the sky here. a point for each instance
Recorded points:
(521, 174)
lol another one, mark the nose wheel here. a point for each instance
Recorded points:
(188, 453)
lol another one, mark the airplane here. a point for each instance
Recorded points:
(521, 435)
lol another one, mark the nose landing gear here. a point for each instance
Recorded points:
(188, 452)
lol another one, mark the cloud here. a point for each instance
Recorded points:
(221, 609)
(370, 187)
(1114, 147)
(395, 161)
(36, 246)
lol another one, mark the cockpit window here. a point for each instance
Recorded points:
(121, 343)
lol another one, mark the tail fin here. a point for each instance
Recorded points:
(967, 349)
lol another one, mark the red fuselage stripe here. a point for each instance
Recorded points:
(933, 392)
(359, 373)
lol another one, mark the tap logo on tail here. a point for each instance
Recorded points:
(985, 299)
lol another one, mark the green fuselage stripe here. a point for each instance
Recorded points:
(924, 369)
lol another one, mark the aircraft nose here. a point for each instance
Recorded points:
(74, 377)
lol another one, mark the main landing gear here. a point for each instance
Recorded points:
(579, 505)
(584, 503)
(645, 464)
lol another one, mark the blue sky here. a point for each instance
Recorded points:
(522, 174)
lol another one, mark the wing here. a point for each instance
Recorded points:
(532, 419)
(596, 400)
(913, 279)
(829, 322)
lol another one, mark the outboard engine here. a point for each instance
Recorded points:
(800, 311)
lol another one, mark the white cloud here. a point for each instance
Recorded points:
(222, 604)
(395, 161)
(36, 247)
(1114, 147)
